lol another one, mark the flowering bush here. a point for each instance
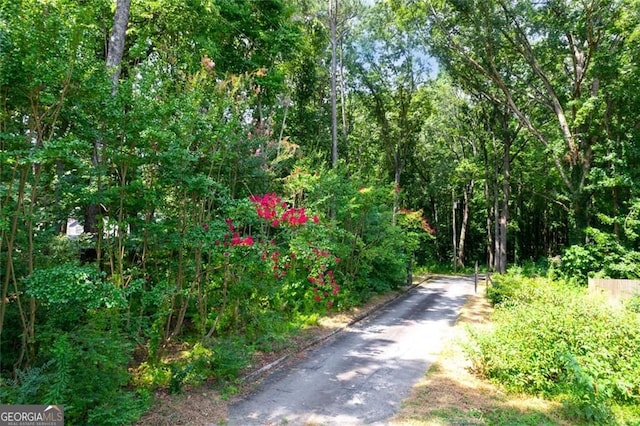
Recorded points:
(269, 256)
(413, 220)
(271, 208)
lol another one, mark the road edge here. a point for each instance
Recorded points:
(271, 366)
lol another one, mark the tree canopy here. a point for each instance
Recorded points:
(235, 166)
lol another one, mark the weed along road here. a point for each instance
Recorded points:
(361, 375)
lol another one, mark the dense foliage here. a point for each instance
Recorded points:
(183, 183)
(552, 338)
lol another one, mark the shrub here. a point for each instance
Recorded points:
(86, 371)
(67, 293)
(551, 338)
(577, 262)
(603, 256)
(633, 304)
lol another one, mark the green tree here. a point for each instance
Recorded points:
(518, 52)
(391, 73)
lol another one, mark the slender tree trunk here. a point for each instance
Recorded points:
(343, 107)
(468, 193)
(488, 207)
(397, 174)
(10, 241)
(504, 212)
(115, 52)
(333, 23)
(454, 205)
(497, 241)
(490, 257)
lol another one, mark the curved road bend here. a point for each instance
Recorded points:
(361, 375)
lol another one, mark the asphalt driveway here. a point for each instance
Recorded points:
(361, 375)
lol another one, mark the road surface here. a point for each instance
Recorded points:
(361, 375)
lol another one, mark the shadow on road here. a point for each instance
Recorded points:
(361, 375)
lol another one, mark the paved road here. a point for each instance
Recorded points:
(361, 375)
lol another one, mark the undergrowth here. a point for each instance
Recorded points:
(553, 339)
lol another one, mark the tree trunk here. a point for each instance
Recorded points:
(454, 205)
(468, 193)
(504, 212)
(398, 166)
(497, 241)
(116, 42)
(115, 51)
(333, 18)
(490, 257)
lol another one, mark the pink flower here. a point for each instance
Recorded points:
(316, 219)
(237, 241)
(266, 205)
(207, 63)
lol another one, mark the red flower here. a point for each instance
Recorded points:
(266, 205)
(237, 241)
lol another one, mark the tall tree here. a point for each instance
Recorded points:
(115, 53)
(542, 62)
(391, 70)
(333, 34)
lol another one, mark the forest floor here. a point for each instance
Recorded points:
(448, 394)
